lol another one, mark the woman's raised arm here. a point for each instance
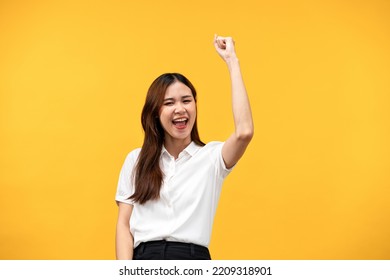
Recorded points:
(236, 144)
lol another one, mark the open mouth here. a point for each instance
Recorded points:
(180, 123)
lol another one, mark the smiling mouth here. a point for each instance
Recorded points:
(180, 123)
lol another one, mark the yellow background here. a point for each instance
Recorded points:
(315, 181)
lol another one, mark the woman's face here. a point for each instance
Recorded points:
(178, 112)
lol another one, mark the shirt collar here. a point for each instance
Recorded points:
(190, 149)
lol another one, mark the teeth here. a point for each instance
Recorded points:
(180, 120)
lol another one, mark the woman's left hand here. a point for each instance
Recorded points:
(225, 47)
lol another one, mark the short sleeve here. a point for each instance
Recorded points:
(222, 171)
(125, 183)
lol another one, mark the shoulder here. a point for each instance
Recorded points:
(213, 147)
(214, 144)
(212, 153)
(132, 156)
(134, 153)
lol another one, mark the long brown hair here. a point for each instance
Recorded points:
(148, 175)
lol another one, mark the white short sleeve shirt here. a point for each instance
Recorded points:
(188, 198)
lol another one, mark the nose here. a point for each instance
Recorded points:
(179, 109)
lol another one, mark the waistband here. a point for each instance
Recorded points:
(153, 243)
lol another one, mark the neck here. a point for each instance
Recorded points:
(176, 146)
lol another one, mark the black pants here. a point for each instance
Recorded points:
(169, 250)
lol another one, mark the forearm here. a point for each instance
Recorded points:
(124, 242)
(240, 102)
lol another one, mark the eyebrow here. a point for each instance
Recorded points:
(183, 97)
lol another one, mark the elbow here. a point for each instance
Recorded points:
(245, 135)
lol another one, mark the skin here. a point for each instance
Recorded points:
(177, 138)
(178, 104)
(237, 143)
(124, 240)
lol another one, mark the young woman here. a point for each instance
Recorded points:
(169, 189)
